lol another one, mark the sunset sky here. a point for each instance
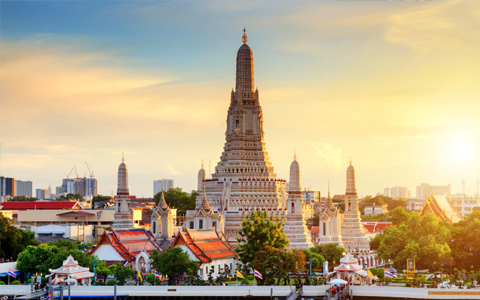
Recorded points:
(393, 84)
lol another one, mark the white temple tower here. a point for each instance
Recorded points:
(329, 229)
(295, 226)
(353, 232)
(244, 179)
(123, 215)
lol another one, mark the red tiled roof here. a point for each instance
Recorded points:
(315, 229)
(40, 205)
(129, 242)
(205, 244)
(376, 226)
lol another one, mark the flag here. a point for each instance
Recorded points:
(157, 275)
(257, 274)
(387, 274)
(126, 262)
(370, 274)
(11, 273)
(140, 275)
(240, 275)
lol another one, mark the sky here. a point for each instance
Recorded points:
(393, 85)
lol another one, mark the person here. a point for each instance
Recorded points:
(435, 284)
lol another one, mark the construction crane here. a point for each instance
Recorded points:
(89, 171)
(68, 175)
(76, 173)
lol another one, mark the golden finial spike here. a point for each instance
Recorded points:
(123, 158)
(294, 154)
(350, 160)
(244, 38)
(202, 163)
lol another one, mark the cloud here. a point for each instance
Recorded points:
(330, 155)
(171, 170)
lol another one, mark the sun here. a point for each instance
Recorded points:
(462, 149)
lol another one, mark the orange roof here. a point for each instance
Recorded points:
(206, 244)
(441, 207)
(376, 226)
(129, 242)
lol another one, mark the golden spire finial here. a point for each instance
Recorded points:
(244, 38)
(123, 158)
(202, 163)
(350, 160)
(294, 154)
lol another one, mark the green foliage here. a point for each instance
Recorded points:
(71, 196)
(279, 264)
(465, 242)
(100, 198)
(245, 281)
(423, 238)
(399, 216)
(174, 263)
(112, 282)
(380, 218)
(317, 262)
(2, 283)
(37, 259)
(101, 269)
(64, 244)
(16, 282)
(152, 279)
(380, 199)
(22, 199)
(340, 203)
(13, 240)
(121, 273)
(178, 199)
(259, 233)
(330, 252)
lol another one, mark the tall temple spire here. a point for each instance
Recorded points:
(351, 181)
(123, 215)
(244, 68)
(329, 188)
(244, 37)
(123, 157)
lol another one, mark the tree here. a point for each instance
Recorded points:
(465, 241)
(22, 199)
(37, 259)
(102, 269)
(71, 196)
(259, 233)
(399, 216)
(340, 203)
(178, 199)
(330, 252)
(423, 238)
(13, 240)
(121, 272)
(174, 263)
(100, 198)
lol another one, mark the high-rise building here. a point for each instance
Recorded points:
(87, 187)
(399, 192)
(162, 185)
(23, 188)
(41, 194)
(424, 190)
(7, 187)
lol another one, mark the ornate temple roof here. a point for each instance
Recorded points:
(206, 244)
(442, 208)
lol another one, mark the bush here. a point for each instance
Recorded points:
(245, 281)
(408, 284)
(2, 283)
(16, 282)
(112, 282)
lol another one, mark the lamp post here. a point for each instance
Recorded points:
(94, 274)
(311, 260)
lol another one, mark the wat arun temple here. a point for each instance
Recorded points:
(244, 179)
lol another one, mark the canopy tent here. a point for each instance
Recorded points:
(71, 270)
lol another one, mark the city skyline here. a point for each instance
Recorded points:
(392, 85)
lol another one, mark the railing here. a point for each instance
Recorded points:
(294, 294)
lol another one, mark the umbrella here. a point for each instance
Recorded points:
(338, 281)
(57, 280)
